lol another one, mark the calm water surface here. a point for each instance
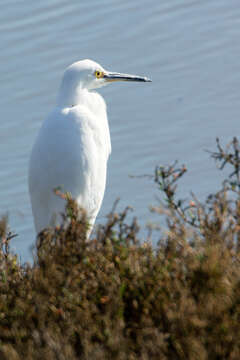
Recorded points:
(190, 49)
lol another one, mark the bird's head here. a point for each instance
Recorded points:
(89, 75)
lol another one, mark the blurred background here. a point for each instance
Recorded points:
(189, 48)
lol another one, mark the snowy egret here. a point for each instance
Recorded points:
(73, 145)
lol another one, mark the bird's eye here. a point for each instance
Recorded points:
(98, 74)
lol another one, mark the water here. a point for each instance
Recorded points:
(191, 51)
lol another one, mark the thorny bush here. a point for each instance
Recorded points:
(115, 297)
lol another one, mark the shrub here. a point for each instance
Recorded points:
(116, 297)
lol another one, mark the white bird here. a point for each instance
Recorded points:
(73, 145)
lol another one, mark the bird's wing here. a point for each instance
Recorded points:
(70, 152)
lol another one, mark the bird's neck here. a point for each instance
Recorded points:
(70, 94)
(73, 96)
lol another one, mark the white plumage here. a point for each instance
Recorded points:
(73, 145)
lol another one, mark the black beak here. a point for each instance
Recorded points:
(113, 76)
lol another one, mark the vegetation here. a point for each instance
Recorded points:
(115, 297)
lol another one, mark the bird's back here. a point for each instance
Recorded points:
(71, 152)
